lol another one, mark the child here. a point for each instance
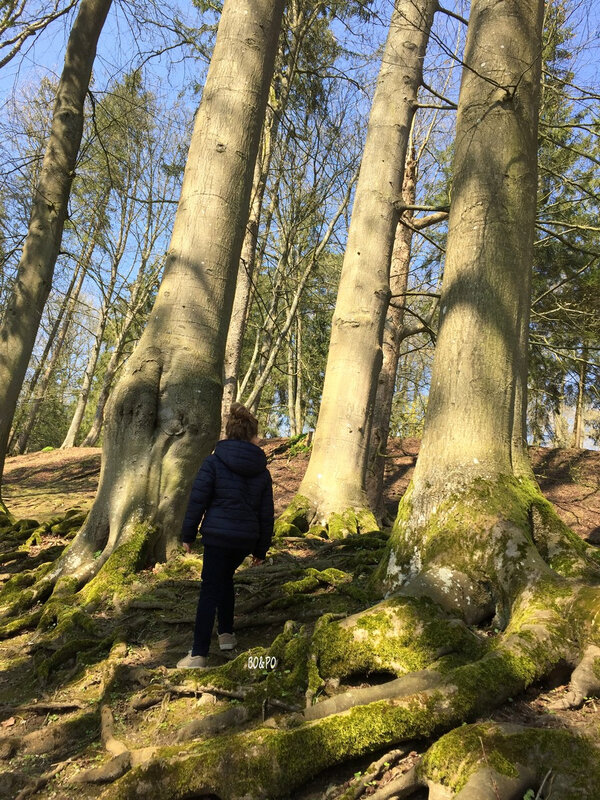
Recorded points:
(233, 496)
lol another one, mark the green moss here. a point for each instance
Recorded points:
(22, 623)
(36, 538)
(85, 650)
(315, 578)
(375, 541)
(351, 522)
(273, 762)
(520, 657)
(16, 596)
(504, 520)
(399, 635)
(456, 756)
(119, 570)
(296, 515)
(355, 592)
(6, 518)
(291, 649)
(342, 524)
(234, 673)
(307, 584)
(282, 529)
(24, 525)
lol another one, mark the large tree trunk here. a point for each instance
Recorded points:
(335, 479)
(49, 210)
(471, 466)
(164, 414)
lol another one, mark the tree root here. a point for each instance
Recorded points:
(40, 783)
(398, 635)
(384, 763)
(404, 786)
(446, 675)
(51, 738)
(412, 684)
(537, 638)
(300, 517)
(107, 724)
(22, 623)
(489, 761)
(43, 707)
(105, 773)
(585, 680)
(123, 759)
(231, 717)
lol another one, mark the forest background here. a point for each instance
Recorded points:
(479, 593)
(147, 80)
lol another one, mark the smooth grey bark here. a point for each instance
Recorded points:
(335, 478)
(393, 336)
(49, 210)
(164, 414)
(473, 433)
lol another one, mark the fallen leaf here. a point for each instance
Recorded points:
(8, 723)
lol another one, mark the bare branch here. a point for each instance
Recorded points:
(452, 14)
(431, 90)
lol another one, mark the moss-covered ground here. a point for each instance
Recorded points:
(93, 672)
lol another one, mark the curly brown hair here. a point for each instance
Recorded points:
(241, 423)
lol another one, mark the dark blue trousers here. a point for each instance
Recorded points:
(216, 594)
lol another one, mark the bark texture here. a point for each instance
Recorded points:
(474, 428)
(335, 478)
(49, 210)
(394, 334)
(164, 414)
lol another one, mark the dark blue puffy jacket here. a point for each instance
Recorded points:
(233, 496)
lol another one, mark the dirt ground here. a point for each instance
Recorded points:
(46, 484)
(51, 731)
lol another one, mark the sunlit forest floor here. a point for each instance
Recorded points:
(72, 721)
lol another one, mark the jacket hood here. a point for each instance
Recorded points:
(241, 457)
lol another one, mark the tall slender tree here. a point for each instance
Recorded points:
(164, 414)
(474, 445)
(22, 315)
(333, 489)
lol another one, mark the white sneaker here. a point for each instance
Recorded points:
(227, 641)
(192, 662)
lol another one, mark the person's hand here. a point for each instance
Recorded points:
(187, 547)
(257, 561)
